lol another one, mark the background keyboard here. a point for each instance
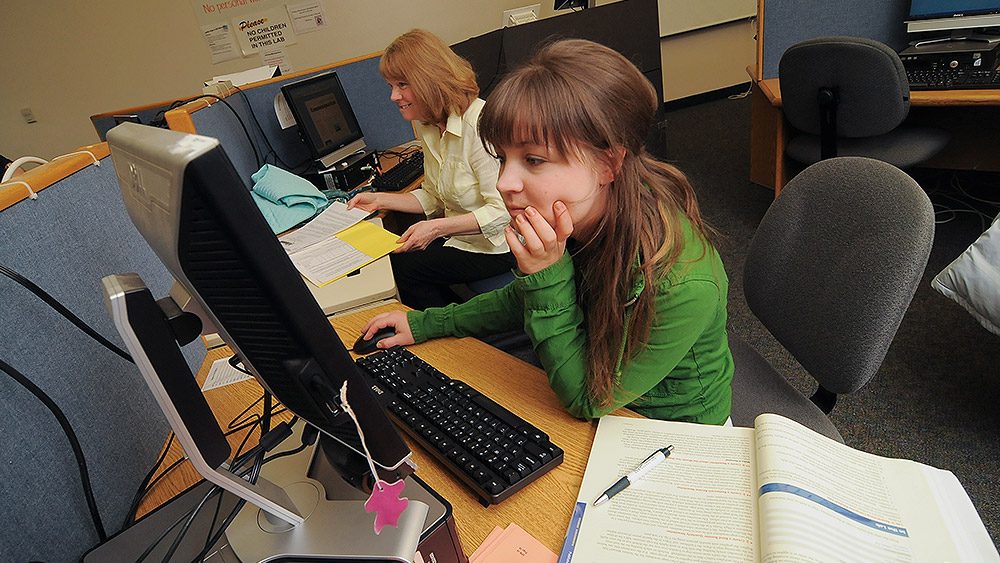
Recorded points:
(492, 450)
(401, 175)
(952, 79)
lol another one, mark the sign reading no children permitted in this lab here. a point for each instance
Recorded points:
(263, 30)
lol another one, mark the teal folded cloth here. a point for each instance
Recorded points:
(285, 199)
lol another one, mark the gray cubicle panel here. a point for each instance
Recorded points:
(76, 232)
(786, 22)
(366, 90)
(630, 27)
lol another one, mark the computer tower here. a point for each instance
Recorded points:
(965, 55)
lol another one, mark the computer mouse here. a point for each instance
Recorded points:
(362, 346)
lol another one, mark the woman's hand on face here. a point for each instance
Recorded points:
(364, 200)
(418, 236)
(397, 321)
(543, 243)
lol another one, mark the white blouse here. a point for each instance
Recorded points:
(461, 177)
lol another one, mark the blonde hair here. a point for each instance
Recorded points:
(587, 100)
(441, 80)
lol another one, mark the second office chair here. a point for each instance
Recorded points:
(848, 96)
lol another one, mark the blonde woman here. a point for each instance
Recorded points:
(619, 288)
(462, 239)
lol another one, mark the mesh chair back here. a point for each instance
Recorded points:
(835, 262)
(872, 91)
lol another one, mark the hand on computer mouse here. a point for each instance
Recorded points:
(366, 345)
(396, 321)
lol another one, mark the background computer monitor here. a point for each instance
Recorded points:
(959, 16)
(188, 202)
(326, 121)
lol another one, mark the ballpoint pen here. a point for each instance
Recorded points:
(645, 467)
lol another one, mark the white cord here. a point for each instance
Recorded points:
(742, 95)
(18, 163)
(752, 20)
(368, 456)
(31, 192)
(74, 153)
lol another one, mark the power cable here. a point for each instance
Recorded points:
(81, 462)
(62, 310)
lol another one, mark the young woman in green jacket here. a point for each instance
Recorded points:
(617, 285)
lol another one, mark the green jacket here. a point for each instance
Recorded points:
(683, 373)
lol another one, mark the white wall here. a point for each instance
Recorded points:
(707, 59)
(70, 60)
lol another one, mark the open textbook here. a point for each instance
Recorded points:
(776, 492)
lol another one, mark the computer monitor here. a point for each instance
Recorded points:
(326, 121)
(961, 17)
(187, 200)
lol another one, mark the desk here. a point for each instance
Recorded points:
(971, 116)
(543, 508)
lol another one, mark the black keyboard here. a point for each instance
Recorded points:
(492, 450)
(401, 175)
(952, 79)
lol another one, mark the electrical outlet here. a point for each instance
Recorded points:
(524, 14)
(28, 115)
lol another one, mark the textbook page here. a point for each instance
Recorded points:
(697, 505)
(818, 497)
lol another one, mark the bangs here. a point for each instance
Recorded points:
(531, 107)
(390, 66)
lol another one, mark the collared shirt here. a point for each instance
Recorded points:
(461, 177)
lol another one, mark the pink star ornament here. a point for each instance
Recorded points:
(386, 503)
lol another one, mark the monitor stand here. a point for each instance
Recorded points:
(958, 35)
(245, 540)
(287, 512)
(336, 524)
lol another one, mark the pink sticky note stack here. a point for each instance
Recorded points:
(512, 544)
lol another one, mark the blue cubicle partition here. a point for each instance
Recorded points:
(786, 22)
(366, 90)
(75, 233)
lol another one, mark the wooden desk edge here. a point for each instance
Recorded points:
(771, 88)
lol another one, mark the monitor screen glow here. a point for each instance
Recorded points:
(325, 118)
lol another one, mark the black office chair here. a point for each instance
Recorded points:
(830, 272)
(847, 96)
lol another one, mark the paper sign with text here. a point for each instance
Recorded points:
(263, 30)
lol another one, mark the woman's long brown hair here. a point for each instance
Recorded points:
(588, 101)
